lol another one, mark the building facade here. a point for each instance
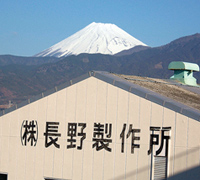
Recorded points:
(99, 126)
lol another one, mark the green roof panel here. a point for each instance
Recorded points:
(178, 65)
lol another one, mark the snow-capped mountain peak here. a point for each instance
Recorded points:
(94, 38)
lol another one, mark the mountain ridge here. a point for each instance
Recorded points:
(21, 80)
(104, 38)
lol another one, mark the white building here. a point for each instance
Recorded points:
(99, 126)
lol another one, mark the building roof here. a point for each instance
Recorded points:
(182, 99)
(187, 95)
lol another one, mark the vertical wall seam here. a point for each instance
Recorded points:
(139, 127)
(16, 150)
(86, 87)
(93, 123)
(45, 148)
(117, 103)
(174, 143)
(74, 121)
(199, 155)
(127, 122)
(26, 146)
(65, 105)
(1, 136)
(150, 157)
(139, 112)
(163, 114)
(104, 126)
(187, 142)
(25, 162)
(36, 144)
(56, 121)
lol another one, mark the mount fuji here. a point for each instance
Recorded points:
(94, 38)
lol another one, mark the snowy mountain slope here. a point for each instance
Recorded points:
(94, 38)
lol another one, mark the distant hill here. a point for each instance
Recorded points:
(22, 77)
(132, 50)
(154, 62)
(9, 59)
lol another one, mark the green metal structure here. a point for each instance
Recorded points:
(183, 72)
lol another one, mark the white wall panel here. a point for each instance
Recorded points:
(120, 163)
(157, 115)
(87, 164)
(58, 160)
(91, 101)
(21, 162)
(39, 159)
(42, 118)
(180, 160)
(192, 157)
(169, 120)
(30, 162)
(145, 120)
(143, 168)
(4, 154)
(60, 116)
(12, 157)
(181, 131)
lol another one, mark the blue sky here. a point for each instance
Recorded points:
(29, 26)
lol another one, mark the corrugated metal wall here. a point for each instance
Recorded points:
(94, 101)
